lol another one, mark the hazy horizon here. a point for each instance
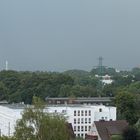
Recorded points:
(52, 35)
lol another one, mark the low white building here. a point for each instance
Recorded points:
(80, 116)
(106, 79)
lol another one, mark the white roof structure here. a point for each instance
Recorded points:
(8, 118)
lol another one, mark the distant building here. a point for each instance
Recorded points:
(106, 79)
(79, 100)
(106, 130)
(80, 116)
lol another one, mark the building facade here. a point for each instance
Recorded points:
(80, 116)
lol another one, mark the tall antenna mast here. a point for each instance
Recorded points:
(6, 65)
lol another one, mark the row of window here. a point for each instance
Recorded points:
(63, 111)
(104, 118)
(80, 135)
(82, 113)
(82, 120)
(82, 128)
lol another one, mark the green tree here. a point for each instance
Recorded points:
(125, 103)
(37, 125)
(131, 133)
(7, 138)
(3, 91)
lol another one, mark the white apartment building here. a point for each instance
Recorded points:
(80, 116)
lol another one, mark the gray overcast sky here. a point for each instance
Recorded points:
(58, 35)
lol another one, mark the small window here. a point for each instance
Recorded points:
(82, 128)
(63, 111)
(74, 128)
(85, 128)
(78, 112)
(89, 113)
(82, 120)
(74, 121)
(100, 110)
(74, 112)
(85, 120)
(58, 102)
(89, 128)
(89, 120)
(78, 135)
(82, 113)
(78, 120)
(86, 113)
(78, 128)
(55, 111)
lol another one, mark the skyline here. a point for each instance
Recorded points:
(62, 35)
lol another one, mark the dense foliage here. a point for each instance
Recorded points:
(21, 86)
(131, 133)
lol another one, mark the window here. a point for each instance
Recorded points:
(55, 111)
(89, 120)
(89, 128)
(78, 128)
(82, 120)
(78, 135)
(63, 111)
(74, 112)
(78, 112)
(58, 102)
(82, 113)
(82, 128)
(78, 120)
(82, 135)
(74, 128)
(85, 128)
(100, 110)
(86, 113)
(89, 112)
(102, 118)
(85, 120)
(105, 118)
(74, 121)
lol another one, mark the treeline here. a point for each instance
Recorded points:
(18, 86)
(22, 86)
